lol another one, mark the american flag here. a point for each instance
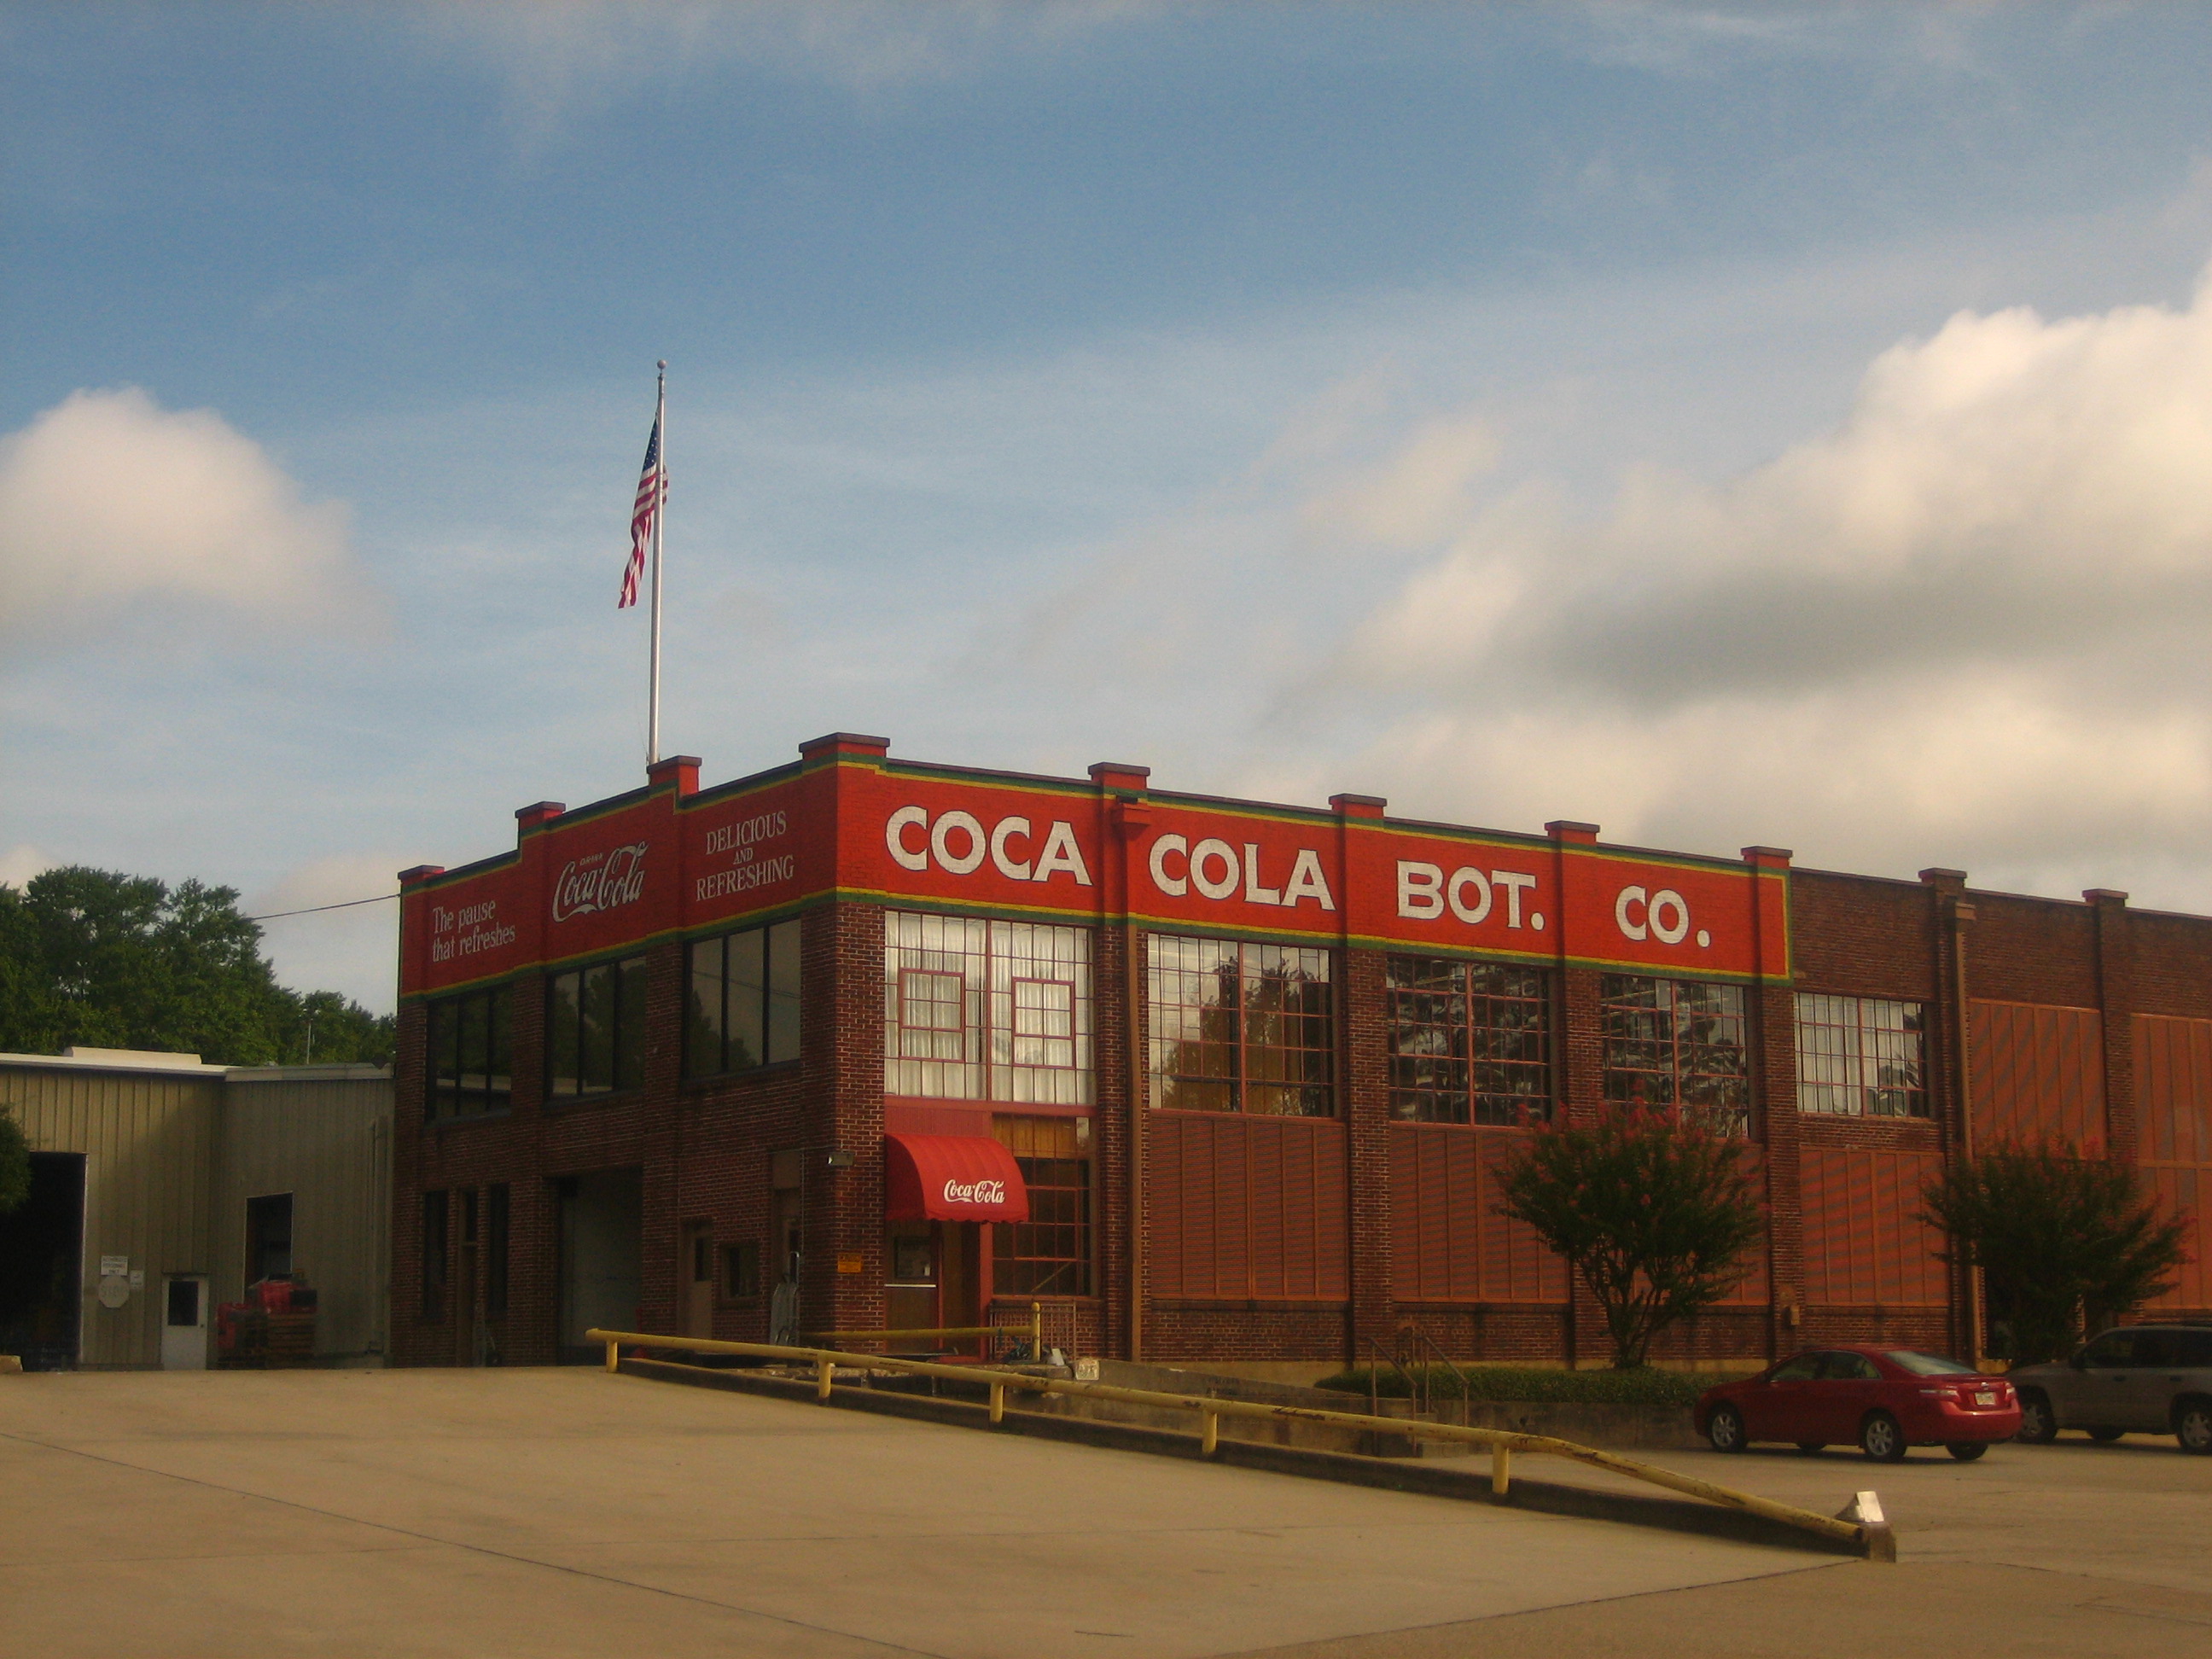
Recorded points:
(652, 489)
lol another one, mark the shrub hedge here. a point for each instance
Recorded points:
(1645, 1386)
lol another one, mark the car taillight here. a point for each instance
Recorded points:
(1940, 1393)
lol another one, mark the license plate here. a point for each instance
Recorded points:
(1986, 1399)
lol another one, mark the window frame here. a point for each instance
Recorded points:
(1160, 1080)
(447, 1097)
(1048, 1146)
(1734, 1120)
(727, 1256)
(1476, 1107)
(625, 1072)
(781, 1029)
(436, 1252)
(990, 959)
(1854, 1042)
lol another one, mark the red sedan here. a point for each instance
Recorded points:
(1888, 1399)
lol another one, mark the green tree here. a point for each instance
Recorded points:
(324, 1029)
(15, 1163)
(2062, 1243)
(108, 960)
(1653, 1210)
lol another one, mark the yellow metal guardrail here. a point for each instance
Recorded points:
(1035, 1332)
(1502, 1443)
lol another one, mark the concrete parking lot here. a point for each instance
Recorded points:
(558, 1512)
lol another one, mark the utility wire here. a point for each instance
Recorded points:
(348, 904)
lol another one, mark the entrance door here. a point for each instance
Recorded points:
(960, 1273)
(602, 1219)
(784, 1318)
(696, 1268)
(42, 1265)
(910, 1292)
(184, 1324)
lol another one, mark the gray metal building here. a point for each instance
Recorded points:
(161, 1186)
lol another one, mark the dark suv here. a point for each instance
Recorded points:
(2143, 1379)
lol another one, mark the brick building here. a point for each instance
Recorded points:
(854, 1042)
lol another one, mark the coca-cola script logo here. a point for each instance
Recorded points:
(604, 881)
(974, 1192)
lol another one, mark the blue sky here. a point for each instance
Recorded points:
(1764, 425)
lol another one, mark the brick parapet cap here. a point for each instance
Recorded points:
(681, 770)
(845, 742)
(1768, 857)
(2102, 895)
(1359, 806)
(1948, 881)
(1568, 829)
(538, 812)
(421, 872)
(1120, 775)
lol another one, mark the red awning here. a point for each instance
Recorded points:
(951, 1178)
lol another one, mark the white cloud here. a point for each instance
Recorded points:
(1964, 627)
(111, 506)
(557, 58)
(354, 951)
(21, 862)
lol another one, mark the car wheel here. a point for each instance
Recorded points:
(1809, 1447)
(2192, 1427)
(1881, 1439)
(2038, 1426)
(1724, 1428)
(1968, 1450)
(2105, 1437)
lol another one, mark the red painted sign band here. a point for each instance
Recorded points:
(654, 864)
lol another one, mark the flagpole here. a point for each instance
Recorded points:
(659, 514)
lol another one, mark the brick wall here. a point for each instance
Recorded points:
(705, 1148)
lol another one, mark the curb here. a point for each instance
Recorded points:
(1539, 1497)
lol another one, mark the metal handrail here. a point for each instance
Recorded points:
(1502, 1442)
(1416, 1387)
(1420, 1340)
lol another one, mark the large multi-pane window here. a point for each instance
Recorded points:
(595, 1028)
(468, 1059)
(1679, 1042)
(1860, 1057)
(741, 1000)
(1048, 1255)
(1240, 1028)
(976, 1010)
(1470, 1041)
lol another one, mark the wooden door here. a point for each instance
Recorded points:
(695, 1270)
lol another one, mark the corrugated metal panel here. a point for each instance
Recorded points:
(2183, 1191)
(2174, 1089)
(1753, 1290)
(1248, 1208)
(326, 1141)
(2039, 1076)
(149, 1141)
(1452, 1244)
(2173, 1093)
(1864, 1242)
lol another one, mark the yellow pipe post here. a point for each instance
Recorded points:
(1501, 1468)
(1211, 1443)
(998, 1402)
(1036, 1333)
(822, 1371)
(614, 1356)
